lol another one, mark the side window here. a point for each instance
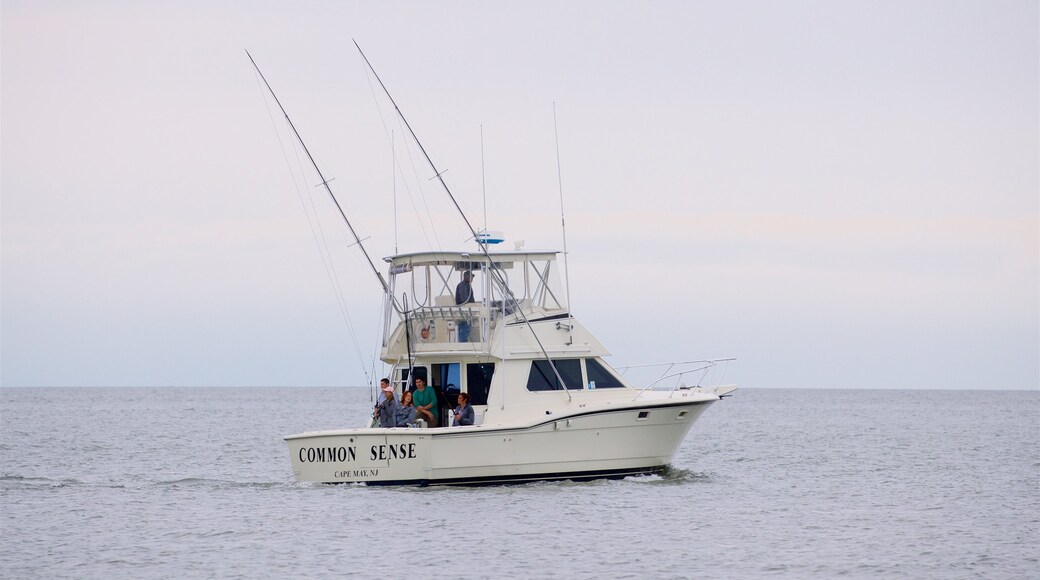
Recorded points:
(417, 372)
(600, 377)
(446, 378)
(478, 382)
(542, 377)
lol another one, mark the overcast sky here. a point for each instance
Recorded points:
(841, 194)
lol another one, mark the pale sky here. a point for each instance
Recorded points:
(840, 194)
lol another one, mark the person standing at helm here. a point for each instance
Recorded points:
(464, 295)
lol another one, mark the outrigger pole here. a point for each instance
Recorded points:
(325, 182)
(483, 248)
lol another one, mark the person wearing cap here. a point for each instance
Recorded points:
(464, 295)
(387, 410)
(425, 402)
(380, 397)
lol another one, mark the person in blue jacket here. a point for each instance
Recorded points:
(387, 410)
(405, 416)
(464, 412)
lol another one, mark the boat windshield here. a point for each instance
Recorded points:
(460, 298)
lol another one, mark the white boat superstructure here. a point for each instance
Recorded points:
(529, 425)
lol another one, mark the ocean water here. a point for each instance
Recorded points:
(163, 483)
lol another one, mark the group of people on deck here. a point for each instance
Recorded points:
(418, 404)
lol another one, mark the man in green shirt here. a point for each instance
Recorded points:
(425, 402)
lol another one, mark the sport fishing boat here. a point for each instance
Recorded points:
(546, 404)
(579, 420)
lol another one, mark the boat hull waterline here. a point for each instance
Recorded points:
(589, 444)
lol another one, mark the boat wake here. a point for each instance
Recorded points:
(41, 482)
(30, 482)
(672, 476)
(194, 482)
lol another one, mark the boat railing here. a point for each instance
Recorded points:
(460, 311)
(439, 324)
(708, 372)
(471, 310)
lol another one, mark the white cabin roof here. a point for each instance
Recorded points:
(473, 257)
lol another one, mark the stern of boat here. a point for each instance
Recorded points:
(395, 455)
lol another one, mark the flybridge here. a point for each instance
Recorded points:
(458, 299)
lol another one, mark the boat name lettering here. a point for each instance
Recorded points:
(322, 454)
(400, 451)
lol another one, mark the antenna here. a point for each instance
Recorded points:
(563, 221)
(483, 188)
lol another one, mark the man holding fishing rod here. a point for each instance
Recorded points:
(386, 410)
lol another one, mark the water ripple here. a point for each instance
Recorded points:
(805, 484)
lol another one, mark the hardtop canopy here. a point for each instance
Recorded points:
(417, 258)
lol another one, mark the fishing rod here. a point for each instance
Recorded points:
(408, 344)
(324, 182)
(483, 248)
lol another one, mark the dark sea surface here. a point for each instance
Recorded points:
(166, 483)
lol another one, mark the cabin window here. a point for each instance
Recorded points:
(600, 377)
(478, 382)
(446, 378)
(417, 372)
(542, 377)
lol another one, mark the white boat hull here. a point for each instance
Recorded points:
(588, 444)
